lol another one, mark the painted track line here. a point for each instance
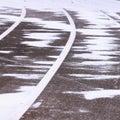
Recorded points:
(25, 105)
(12, 27)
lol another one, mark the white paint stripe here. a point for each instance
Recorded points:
(12, 27)
(44, 82)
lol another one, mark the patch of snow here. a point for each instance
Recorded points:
(24, 76)
(36, 105)
(10, 18)
(37, 66)
(44, 62)
(5, 51)
(92, 56)
(93, 32)
(99, 63)
(96, 94)
(53, 56)
(41, 39)
(37, 43)
(83, 111)
(43, 36)
(97, 77)
(57, 25)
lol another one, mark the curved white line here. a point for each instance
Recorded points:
(49, 75)
(12, 27)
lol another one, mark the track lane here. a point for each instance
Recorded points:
(46, 79)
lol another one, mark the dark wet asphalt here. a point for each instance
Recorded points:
(92, 64)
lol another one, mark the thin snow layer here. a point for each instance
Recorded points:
(25, 76)
(45, 36)
(60, 25)
(101, 44)
(37, 43)
(94, 77)
(100, 62)
(93, 31)
(9, 101)
(109, 93)
(101, 49)
(10, 18)
(42, 39)
(106, 5)
(57, 25)
(98, 19)
(36, 105)
(98, 12)
(87, 9)
(93, 56)
(42, 5)
(44, 62)
(5, 51)
(20, 57)
(12, 3)
(83, 111)
(96, 94)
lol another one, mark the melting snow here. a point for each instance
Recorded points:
(96, 94)
(36, 105)
(10, 101)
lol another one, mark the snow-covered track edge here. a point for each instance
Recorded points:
(23, 107)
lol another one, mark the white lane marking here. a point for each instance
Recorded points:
(25, 105)
(12, 27)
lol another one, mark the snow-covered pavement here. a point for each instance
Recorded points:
(86, 86)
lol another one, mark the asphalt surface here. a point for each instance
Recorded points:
(93, 64)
